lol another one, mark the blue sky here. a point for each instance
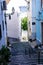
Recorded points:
(16, 4)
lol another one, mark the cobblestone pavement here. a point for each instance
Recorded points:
(21, 55)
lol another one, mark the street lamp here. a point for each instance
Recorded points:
(13, 11)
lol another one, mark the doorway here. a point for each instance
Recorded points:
(42, 32)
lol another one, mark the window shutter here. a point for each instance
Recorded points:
(0, 33)
(4, 5)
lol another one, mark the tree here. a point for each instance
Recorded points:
(24, 23)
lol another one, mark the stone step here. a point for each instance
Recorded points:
(21, 55)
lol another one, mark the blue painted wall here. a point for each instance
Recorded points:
(38, 23)
(38, 34)
(38, 27)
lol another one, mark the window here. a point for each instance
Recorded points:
(0, 33)
(5, 17)
(33, 23)
(41, 3)
(4, 5)
(5, 21)
(3, 24)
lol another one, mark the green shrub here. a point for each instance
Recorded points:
(4, 55)
(24, 23)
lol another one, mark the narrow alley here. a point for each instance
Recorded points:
(21, 32)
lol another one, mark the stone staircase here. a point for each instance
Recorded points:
(23, 54)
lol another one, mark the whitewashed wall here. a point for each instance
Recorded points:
(13, 26)
(31, 15)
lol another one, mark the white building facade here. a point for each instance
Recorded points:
(13, 26)
(3, 29)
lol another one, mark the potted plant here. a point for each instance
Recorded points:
(4, 55)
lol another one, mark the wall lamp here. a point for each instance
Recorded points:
(9, 14)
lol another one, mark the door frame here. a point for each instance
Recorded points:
(41, 32)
